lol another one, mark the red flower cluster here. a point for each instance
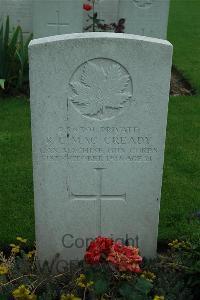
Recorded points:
(87, 7)
(98, 249)
(125, 258)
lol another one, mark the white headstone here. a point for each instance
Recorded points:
(20, 13)
(145, 17)
(53, 17)
(99, 112)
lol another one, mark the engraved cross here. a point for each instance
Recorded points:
(58, 24)
(98, 197)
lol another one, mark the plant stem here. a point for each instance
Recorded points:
(18, 278)
(93, 25)
(84, 294)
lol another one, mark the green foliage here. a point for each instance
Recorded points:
(2, 82)
(13, 58)
(178, 272)
(174, 276)
(22, 56)
(190, 261)
(101, 280)
(101, 286)
(139, 289)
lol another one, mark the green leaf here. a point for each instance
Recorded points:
(6, 36)
(2, 82)
(101, 286)
(14, 41)
(1, 51)
(137, 290)
(143, 286)
(128, 292)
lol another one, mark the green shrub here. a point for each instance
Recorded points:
(13, 59)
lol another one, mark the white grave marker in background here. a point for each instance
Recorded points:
(145, 17)
(20, 13)
(53, 17)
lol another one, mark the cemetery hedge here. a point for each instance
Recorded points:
(180, 192)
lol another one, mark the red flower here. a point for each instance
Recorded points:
(125, 258)
(99, 247)
(87, 7)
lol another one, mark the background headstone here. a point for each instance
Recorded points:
(53, 17)
(145, 17)
(20, 13)
(99, 112)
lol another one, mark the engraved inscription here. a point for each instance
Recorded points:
(101, 89)
(103, 144)
(98, 197)
(143, 3)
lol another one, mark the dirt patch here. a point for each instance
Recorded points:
(179, 85)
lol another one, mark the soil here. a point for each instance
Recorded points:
(179, 85)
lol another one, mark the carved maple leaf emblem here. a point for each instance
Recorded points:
(100, 89)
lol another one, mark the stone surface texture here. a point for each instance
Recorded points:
(99, 112)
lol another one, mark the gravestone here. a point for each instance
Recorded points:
(53, 17)
(99, 112)
(145, 17)
(20, 13)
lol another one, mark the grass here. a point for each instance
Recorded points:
(184, 34)
(180, 191)
(16, 187)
